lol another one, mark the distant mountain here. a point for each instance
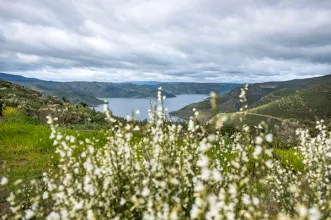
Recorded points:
(198, 88)
(258, 94)
(17, 78)
(145, 82)
(87, 92)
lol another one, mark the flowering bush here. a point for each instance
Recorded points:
(177, 173)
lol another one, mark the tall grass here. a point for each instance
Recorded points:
(173, 172)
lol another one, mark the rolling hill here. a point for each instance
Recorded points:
(260, 95)
(284, 115)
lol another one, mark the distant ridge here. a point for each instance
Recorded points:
(87, 92)
(17, 78)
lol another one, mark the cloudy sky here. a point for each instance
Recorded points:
(166, 40)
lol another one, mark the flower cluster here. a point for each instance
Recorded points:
(177, 173)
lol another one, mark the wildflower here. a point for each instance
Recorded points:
(29, 214)
(302, 210)
(45, 195)
(145, 192)
(257, 151)
(4, 180)
(269, 163)
(205, 173)
(269, 137)
(53, 216)
(314, 213)
(258, 140)
(203, 161)
(90, 215)
(194, 212)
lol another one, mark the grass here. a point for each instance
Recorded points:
(26, 151)
(290, 158)
(25, 147)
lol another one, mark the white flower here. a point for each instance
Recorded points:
(29, 214)
(4, 181)
(145, 192)
(217, 175)
(203, 161)
(256, 201)
(53, 216)
(258, 140)
(191, 125)
(213, 94)
(79, 205)
(269, 163)
(302, 210)
(246, 199)
(205, 173)
(257, 151)
(314, 213)
(269, 137)
(122, 201)
(45, 195)
(90, 215)
(194, 211)
(105, 107)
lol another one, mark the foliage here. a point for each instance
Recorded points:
(37, 105)
(165, 171)
(279, 99)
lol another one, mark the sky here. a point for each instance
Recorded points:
(166, 40)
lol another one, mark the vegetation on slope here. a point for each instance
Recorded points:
(173, 172)
(162, 170)
(258, 94)
(303, 106)
(37, 105)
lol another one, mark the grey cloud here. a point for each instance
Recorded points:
(198, 40)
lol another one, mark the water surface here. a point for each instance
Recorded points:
(123, 107)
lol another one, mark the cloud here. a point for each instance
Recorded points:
(166, 40)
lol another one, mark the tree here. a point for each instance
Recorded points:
(64, 99)
(83, 104)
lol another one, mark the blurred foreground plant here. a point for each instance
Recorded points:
(176, 173)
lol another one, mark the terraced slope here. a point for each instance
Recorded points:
(303, 106)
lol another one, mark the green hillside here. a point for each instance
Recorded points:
(37, 105)
(257, 94)
(287, 106)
